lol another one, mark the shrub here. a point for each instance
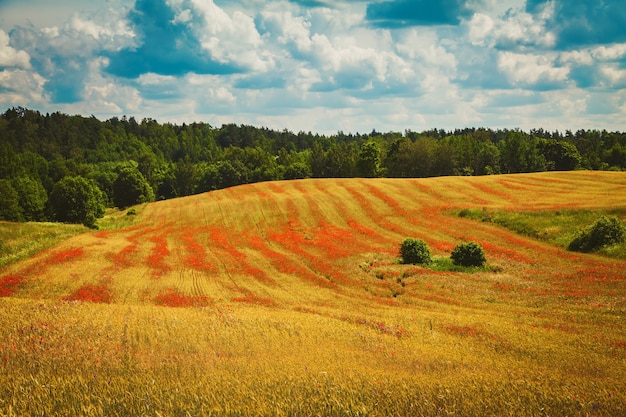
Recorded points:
(468, 254)
(414, 251)
(605, 231)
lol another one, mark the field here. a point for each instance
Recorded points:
(287, 298)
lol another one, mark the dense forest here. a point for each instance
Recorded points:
(68, 168)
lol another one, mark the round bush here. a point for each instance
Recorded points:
(414, 251)
(468, 254)
(604, 232)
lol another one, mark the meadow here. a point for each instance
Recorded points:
(288, 298)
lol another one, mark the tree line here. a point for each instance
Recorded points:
(68, 168)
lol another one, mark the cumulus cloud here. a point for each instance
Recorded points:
(18, 86)
(10, 57)
(582, 22)
(190, 36)
(513, 30)
(538, 71)
(362, 63)
(62, 55)
(324, 65)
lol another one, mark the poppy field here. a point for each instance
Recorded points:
(288, 298)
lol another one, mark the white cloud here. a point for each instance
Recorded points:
(528, 69)
(424, 49)
(577, 57)
(21, 87)
(515, 29)
(616, 77)
(103, 95)
(113, 33)
(480, 27)
(230, 38)
(288, 30)
(10, 57)
(609, 53)
(286, 65)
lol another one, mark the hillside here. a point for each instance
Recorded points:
(291, 301)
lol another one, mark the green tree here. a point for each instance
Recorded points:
(32, 198)
(414, 251)
(487, 161)
(605, 231)
(130, 188)
(521, 153)
(9, 202)
(560, 155)
(412, 159)
(341, 160)
(369, 160)
(318, 160)
(186, 177)
(297, 170)
(209, 179)
(231, 173)
(77, 200)
(616, 156)
(468, 254)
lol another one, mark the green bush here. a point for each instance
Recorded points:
(605, 231)
(468, 254)
(414, 251)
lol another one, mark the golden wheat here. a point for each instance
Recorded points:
(287, 299)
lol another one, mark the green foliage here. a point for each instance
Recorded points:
(414, 251)
(468, 254)
(369, 160)
(9, 203)
(32, 198)
(131, 188)
(182, 160)
(521, 153)
(231, 174)
(77, 200)
(606, 231)
(560, 155)
(297, 170)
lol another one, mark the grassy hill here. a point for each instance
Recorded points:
(287, 298)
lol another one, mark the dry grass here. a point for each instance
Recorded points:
(287, 299)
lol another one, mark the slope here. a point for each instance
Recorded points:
(290, 301)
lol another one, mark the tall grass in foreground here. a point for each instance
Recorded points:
(70, 359)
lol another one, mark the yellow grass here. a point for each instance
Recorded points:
(287, 299)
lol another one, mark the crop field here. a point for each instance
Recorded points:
(288, 298)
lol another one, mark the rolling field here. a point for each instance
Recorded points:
(287, 298)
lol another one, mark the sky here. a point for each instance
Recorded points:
(321, 66)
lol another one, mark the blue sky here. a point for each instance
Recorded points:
(321, 66)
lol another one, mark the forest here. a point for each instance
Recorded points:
(58, 167)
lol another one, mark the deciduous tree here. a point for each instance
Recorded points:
(77, 200)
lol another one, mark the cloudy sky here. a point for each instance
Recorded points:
(321, 66)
